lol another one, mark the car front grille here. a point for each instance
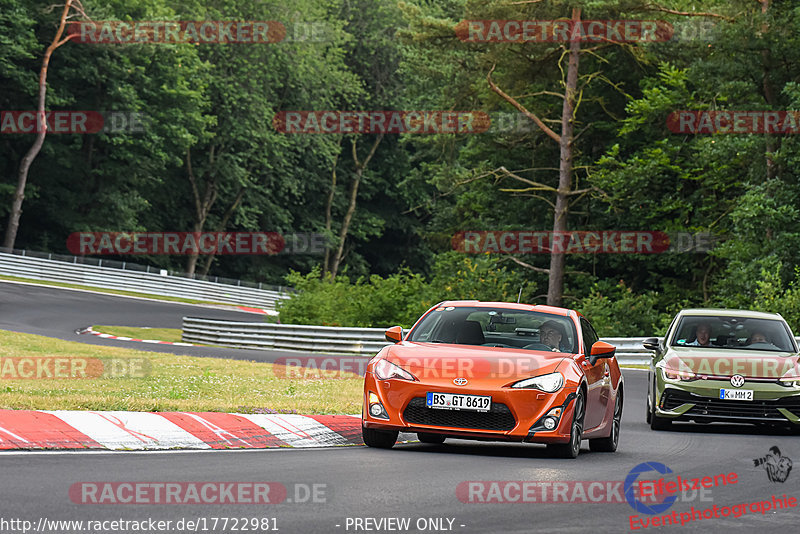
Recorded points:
(713, 407)
(498, 418)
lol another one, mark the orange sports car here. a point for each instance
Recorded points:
(495, 371)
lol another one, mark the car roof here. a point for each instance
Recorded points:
(722, 312)
(512, 305)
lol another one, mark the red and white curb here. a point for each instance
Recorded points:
(59, 429)
(263, 311)
(89, 330)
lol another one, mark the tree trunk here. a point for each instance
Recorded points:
(555, 287)
(328, 208)
(772, 141)
(351, 208)
(191, 263)
(202, 206)
(221, 228)
(41, 127)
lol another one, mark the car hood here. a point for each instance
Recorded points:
(729, 362)
(496, 366)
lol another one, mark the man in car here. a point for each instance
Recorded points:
(702, 336)
(757, 337)
(551, 333)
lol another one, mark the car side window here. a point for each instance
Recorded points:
(590, 337)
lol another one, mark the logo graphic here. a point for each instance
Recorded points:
(778, 467)
(630, 485)
(460, 381)
(737, 381)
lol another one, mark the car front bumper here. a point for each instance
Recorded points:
(699, 400)
(516, 414)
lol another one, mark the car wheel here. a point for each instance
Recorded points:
(656, 422)
(649, 414)
(381, 439)
(436, 439)
(610, 443)
(573, 447)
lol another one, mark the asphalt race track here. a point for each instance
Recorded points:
(420, 481)
(55, 312)
(359, 489)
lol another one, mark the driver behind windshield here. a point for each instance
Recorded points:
(551, 334)
(702, 336)
(757, 337)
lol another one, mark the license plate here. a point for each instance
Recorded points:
(736, 394)
(457, 401)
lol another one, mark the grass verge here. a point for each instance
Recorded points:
(147, 381)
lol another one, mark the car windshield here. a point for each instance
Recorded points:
(497, 327)
(742, 333)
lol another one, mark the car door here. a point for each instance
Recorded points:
(598, 378)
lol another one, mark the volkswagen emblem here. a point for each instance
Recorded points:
(460, 381)
(737, 381)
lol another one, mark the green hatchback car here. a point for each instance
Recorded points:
(731, 366)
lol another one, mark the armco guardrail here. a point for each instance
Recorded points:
(333, 339)
(152, 283)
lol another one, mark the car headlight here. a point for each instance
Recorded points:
(384, 370)
(790, 381)
(547, 383)
(684, 376)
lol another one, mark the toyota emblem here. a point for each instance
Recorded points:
(737, 381)
(460, 381)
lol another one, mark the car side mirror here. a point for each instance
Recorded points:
(394, 334)
(651, 343)
(601, 349)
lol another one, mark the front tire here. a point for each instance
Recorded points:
(656, 422)
(573, 447)
(610, 443)
(380, 439)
